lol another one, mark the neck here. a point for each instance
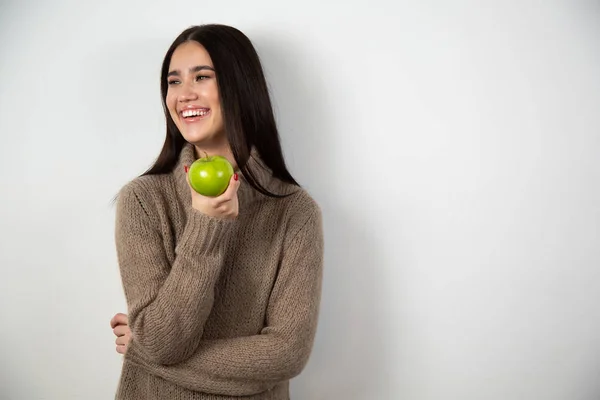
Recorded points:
(216, 149)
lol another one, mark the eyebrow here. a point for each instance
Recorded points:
(197, 68)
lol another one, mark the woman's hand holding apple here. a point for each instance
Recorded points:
(224, 206)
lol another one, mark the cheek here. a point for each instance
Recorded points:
(171, 102)
(212, 92)
(216, 104)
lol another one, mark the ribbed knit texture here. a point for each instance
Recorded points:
(219, 309)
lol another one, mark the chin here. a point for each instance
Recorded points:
(204, 136)
(198, 139)
(195, 140)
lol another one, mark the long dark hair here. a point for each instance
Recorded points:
(245, 104)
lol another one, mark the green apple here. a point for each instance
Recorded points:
(210, 175)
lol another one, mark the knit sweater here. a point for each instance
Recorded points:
(218, 309)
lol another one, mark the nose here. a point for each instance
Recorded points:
(187, 94)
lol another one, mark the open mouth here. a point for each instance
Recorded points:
(195, 114)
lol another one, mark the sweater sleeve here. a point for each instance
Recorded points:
(253, 364)
(168, 302)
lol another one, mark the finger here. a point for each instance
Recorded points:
(230, 192)
(123, 340)
(121, 330)
(118, 319)
(121, 349)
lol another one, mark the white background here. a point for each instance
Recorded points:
(452, 145)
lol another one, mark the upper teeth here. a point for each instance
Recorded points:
(194, 113)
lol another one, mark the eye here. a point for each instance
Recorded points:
(172, 82)
(202, 77)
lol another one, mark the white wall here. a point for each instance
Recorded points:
(453, 147)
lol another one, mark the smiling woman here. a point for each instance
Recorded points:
(223, 292)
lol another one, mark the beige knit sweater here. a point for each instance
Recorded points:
(218, 309)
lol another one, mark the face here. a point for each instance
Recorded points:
(193, 96)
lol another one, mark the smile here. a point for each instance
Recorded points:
(198, 112)
(194, 115)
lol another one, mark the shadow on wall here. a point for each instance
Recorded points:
(348, 360)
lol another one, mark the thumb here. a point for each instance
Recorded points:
(232, 188)
(235, 183)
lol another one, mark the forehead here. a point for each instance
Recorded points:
(189, 54)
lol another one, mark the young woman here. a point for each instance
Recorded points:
(222, 292)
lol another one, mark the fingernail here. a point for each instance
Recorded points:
(185, 167)
(235, 176)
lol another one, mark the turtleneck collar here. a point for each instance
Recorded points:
(246, 193)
